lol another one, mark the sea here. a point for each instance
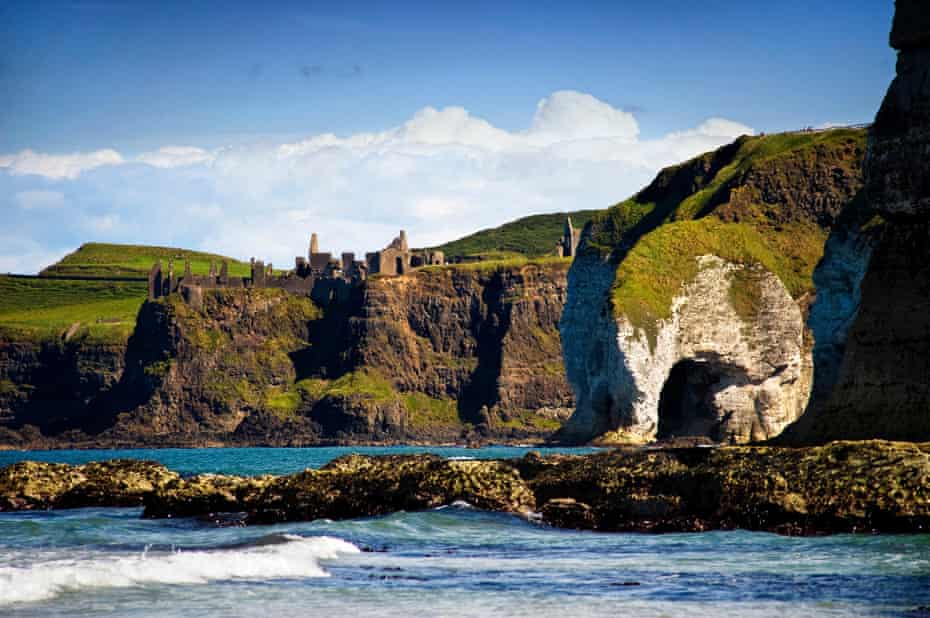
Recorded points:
(451, 561)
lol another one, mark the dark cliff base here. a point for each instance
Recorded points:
(841, 487)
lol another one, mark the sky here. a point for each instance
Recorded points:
(240, 127)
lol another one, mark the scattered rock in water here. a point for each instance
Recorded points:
(33, 485)
(872, 486)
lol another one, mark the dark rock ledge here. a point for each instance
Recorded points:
(872, 486)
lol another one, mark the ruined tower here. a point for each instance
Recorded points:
(314, 246)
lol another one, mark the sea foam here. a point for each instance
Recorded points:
(289, 557)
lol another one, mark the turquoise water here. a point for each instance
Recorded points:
(255, 461)
(453, 561)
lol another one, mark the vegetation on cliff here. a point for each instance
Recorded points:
(767, 200)
(47, 309)
(531, 236)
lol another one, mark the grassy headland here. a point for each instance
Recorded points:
(134, 261)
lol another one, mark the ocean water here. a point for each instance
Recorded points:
(255, 461)
(452, 561)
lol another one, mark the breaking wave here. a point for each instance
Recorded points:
(281, 556)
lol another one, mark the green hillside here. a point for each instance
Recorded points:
(531, 236)
(766, 200)
(34, 309)
(135, 261)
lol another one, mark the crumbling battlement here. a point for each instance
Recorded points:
(321, 276)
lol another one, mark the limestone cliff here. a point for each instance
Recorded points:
(878, 383)
(687, 304)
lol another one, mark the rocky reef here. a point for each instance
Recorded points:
(873, 286)
(469, 352)
(687, 304)
(841, 487)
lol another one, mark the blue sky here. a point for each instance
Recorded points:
(118, 117)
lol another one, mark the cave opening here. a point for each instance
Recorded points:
(686, 404)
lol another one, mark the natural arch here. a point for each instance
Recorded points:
(686, 403)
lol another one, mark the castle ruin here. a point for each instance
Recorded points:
(323, 277)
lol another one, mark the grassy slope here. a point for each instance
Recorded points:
(46, 308)
(34, 309)
(112, 260)
(664, 238)
(531, 236)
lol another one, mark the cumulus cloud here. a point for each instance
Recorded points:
(569, 115)
(56, 167)
(441, 174)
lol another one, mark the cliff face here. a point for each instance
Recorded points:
(474, 347)
(687, 304)
(441, 354)
(59, 385)
(876, 384)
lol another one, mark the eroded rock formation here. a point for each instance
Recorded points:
(687, 304)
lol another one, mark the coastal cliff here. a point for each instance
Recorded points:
(466, 352)
(873, 376)
(687, 304)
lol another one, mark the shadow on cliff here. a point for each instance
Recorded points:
(490, 322)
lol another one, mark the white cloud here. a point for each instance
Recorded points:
(24, 255)
(569, 115)
(57, 167)
(442, 174)
(175, 156)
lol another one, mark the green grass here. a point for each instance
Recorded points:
(530, 421)
(530, 236)
(425, 412)
(361, 383)
(655, 270)
(491, 266)
(658, 233)
(758, 150)
(621, 225)
(282, 403)
(34, 309)
(113, 260)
